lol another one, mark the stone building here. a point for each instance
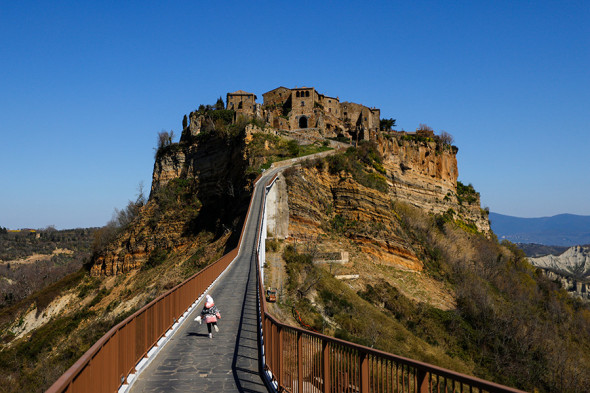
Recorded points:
(242, 103)
(305, 108)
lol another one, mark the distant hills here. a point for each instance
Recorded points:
(560, 230)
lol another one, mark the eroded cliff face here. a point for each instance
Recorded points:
(198, 185)
(417, 173)
(424, 174)
(320, 202)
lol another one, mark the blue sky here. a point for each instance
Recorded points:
(85, 88)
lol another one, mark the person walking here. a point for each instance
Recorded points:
(211, 314)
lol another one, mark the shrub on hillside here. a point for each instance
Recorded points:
(364, 163)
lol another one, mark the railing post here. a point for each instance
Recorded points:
(364, 366)
(326, 365)
(299, 363)
(280, 357)
(422, 381)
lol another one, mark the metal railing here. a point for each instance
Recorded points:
(300, 361)
(107, 364)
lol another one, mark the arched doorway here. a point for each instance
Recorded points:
(303, 122)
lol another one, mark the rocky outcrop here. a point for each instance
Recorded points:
(320, 202)
(576, 288)
(419, 173)
(424, 174)
(197, 185)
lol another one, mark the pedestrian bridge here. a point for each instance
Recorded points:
(161, 348)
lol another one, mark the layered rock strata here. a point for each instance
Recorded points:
(418, 173)
(424, 174)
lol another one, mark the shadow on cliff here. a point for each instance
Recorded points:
(223, 187)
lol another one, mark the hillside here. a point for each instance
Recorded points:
(31, 260)
(426, 286)
(560, 230)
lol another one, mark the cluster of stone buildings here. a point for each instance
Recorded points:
(305, 108)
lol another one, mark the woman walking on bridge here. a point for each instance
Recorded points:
(211, 314)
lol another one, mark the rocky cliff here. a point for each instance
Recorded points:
(203, 182)
(571, 269)
(198, 184)
(322, 199)
(423, 173)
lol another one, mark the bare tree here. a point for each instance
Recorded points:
(165, 138)
(446, 138)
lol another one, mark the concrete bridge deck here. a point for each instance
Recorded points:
(228, 362)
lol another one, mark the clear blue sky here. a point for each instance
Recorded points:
(86, 86)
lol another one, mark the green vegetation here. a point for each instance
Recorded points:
(364, 163)
(356, 319)
(178, 196)
(511, 324)
(417, 138)
(265, 149)
(466, 194)
(54, 254)
(340, 138)
(157, 257)
(387, 124)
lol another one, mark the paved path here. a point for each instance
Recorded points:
(229, 362)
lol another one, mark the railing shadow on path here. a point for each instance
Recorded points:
(246, 364)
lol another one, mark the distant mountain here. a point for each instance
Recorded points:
(560, 230)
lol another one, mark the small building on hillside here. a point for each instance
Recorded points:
(242, 102)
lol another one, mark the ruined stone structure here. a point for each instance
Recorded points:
(305, 108)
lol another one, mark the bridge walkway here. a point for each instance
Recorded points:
(229, 362)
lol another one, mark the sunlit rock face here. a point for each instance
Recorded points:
(418, 174)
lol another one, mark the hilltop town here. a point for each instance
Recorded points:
(303, 110)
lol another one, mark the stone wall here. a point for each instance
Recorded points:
(276, 96)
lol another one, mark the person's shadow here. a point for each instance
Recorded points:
(193, 334)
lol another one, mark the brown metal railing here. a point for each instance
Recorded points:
(106, 365)
(300, 361)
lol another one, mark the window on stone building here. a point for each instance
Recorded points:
(307, 93)
(240, 105)
(329, 109)
(302, 103)
(297, 94)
